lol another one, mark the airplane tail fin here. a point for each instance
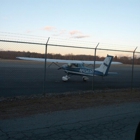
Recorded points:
(104, 67)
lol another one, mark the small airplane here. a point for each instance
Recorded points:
(76, 67)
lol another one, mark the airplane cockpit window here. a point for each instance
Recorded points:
(75, 65)
(69, 64)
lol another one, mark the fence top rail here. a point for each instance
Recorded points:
(44, 44)
(22, 42)
(65, 46)
(113, 50)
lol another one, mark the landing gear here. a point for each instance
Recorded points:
(85, 78)
(65, 78)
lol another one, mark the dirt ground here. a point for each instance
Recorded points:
(24, 106)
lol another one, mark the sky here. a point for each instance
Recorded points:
(104, 21)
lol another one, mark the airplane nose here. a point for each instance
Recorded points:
(62, 67)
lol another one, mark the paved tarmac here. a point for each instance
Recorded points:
(116, 122)
(19, 77)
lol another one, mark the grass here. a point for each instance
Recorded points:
(24, 106)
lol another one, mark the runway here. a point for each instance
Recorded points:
(19, 77)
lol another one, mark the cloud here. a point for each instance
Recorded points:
(60, 33)
(28, 31)
(49, 28)
(77, 34)
(71, 34)
(81, 36)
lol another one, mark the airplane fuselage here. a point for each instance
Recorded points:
(79, 71)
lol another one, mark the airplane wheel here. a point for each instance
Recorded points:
(65, 78)
(85, 78)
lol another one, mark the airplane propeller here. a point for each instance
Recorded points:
(62, 67)
(59, 68)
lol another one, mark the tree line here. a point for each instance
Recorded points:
(13, 54)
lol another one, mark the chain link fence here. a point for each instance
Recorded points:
(20, 77)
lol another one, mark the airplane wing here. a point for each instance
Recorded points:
(63, 61)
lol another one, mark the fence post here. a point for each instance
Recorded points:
(133, 68)
(45, 63)
(94, 64)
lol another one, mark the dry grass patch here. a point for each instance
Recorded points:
(23, 106)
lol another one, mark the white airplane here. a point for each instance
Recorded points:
(76, 67)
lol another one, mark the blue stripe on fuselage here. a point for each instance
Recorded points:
(82, 71)
(79, 71)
